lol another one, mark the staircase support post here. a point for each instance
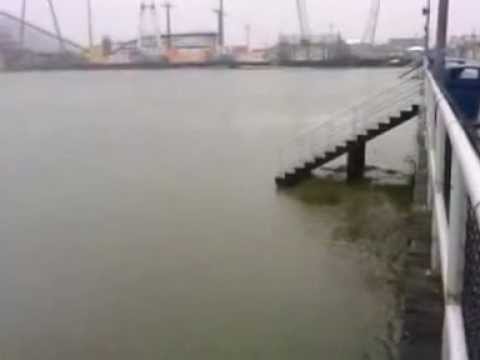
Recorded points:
(356, 162)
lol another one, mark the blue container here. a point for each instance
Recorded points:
(463, 86)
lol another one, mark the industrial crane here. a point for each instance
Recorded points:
(372, 23)
(56, 24)
(303, 20)
(150, 38)
(305, 34)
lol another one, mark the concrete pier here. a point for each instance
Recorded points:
(423, 303)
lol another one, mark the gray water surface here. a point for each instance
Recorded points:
(139, 219)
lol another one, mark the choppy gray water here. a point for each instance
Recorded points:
(139, 219)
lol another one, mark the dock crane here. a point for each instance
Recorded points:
(221, 24)
(372, 23)
(305, 31)
(150, 38)
(90, 24)
(303, 20)
(54, 17)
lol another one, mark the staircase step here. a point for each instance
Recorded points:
(410, 113)
(336, 151)
(395, 119)
(374, 131)
(303, 164)
(319, 160)
(306, 164)
(303, 170)
(384, 126)
(287, 180)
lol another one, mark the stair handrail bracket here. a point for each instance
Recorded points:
(454, 197)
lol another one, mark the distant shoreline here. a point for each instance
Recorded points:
(210, 65)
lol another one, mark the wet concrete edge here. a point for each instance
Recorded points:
(422, 310)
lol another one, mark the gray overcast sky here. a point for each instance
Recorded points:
(119, 18)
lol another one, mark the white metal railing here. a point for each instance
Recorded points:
(348, 124)
(449, 217)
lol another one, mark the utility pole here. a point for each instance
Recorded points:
(303, 21)
(248, 31)
(442, 32)
(141, 24)
(168, 7)
(90, 24)
(56, 25)
(474, 45)
(22, 25)
(156, 24)
(221, 24)
(305, 31)
(427, 12)
(372, 23)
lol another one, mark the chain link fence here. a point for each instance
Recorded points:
(471, 286)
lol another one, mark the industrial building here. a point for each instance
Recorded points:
(403, 44)
(194, 40)
(317, 48)
(465, 46)
(24, 45)
(190, 47)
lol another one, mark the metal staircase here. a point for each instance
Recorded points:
(345, 131)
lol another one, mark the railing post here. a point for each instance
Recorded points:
(442, 31)
(421, 194)
(459, 184)
(445, 347)
(438, 142)
(430, 127)
(458, 220)
(440, 149)
(435, 259)
(430, 137)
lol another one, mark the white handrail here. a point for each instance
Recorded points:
(379, 98)
(455, 332)
(450, 221)
(469, 160)
(347, 125)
